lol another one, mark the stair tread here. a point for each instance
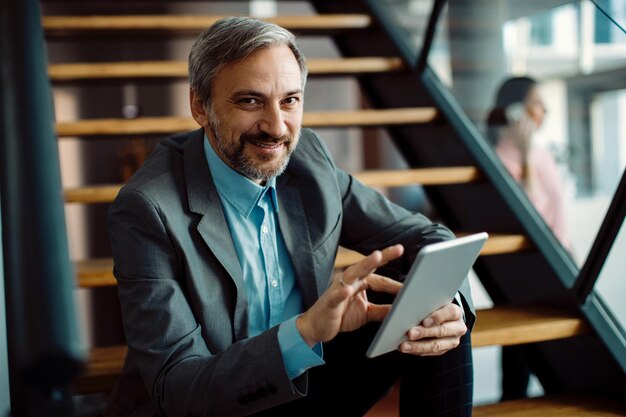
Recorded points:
(99, 271)
(560, 405)
(178, 69)
(106, 362)
(169, 124)
(106, 193)
(55, 25)
(525, 323)
(580, 405)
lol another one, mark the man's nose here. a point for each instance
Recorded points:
(273, 122)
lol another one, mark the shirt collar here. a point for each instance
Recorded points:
(237, 189)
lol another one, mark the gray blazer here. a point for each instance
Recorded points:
(182, 295)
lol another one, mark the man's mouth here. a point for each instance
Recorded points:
(266, 145)
(265, 141)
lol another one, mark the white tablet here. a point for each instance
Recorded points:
(432, 282)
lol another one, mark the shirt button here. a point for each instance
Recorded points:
(274, 283)
(264, 229)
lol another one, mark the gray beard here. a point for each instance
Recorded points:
(237, 159)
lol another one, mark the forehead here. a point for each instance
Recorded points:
(272, 69)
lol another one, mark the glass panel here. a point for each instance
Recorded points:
(545, 83)
(412, 16)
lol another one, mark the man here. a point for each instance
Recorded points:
(224, 245)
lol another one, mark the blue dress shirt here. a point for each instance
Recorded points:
(273, 296)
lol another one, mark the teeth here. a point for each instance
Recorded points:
(267, 145)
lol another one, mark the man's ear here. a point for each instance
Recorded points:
(198, 111)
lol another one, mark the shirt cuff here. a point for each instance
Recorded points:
(297, 355)
(457, 297)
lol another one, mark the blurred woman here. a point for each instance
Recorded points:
(518, 112)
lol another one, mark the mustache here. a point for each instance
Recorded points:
(264, 137)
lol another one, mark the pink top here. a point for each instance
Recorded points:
(544, 185)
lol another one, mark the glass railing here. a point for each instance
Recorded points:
(545, 84)
(411, 18)
(546, 87)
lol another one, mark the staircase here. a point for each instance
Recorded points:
(523, 269)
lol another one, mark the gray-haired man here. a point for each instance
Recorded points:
(224, 245)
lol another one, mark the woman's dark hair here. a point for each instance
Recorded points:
(512, 90)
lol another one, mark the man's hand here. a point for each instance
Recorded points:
(438, 333)
(344, 306)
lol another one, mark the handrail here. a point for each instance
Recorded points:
(44, 351)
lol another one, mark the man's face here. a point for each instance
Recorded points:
(256, 112)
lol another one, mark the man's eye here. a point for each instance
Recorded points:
(291, 100)
(248, 101)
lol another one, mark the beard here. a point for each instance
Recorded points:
(255, 166)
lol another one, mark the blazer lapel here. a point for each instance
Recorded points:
(204, 200)
(295, 230)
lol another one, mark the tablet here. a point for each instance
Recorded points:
(432, 282)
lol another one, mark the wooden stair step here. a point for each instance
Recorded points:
(192, 24)
(167, 125)
(497, 244)
(99, 272)
(578, 404)
(525, 321)
(528, 323)
(561, 405)
(178, 69)
(106, 193)
(103, 367)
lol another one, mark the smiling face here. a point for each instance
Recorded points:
(255, 115)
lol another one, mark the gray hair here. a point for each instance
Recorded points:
(231, 39)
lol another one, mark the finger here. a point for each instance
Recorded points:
(449, 312)
(383, 284)
(361, 269)
(390, 253)
(369, 264)
(377, 312)
(430, 347)
(448, 329)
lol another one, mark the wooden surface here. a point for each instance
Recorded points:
(178, 69)
(167, 125)
(106, 193)
(496, 244)
(99, 272)
(422, 176)
(566, 405)
(582, 405)
(493, 327)
(514, 325)
(192, 24)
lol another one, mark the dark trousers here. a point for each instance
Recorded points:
(349, 384)
(515, 373)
